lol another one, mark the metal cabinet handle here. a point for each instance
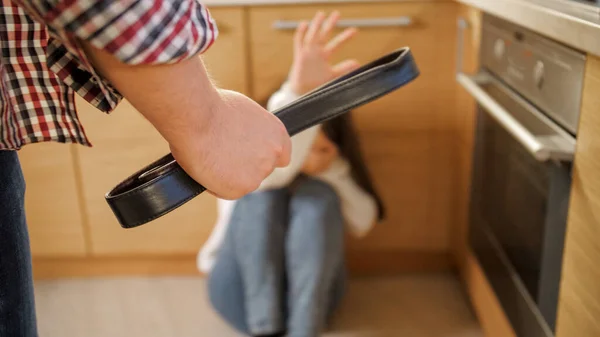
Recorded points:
(462, 25)
(401, 21)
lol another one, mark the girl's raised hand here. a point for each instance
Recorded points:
(313, 49)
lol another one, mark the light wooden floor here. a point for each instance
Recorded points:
(411, 306)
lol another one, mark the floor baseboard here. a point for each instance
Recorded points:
(360, 263)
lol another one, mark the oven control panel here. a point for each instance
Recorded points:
(548, 74)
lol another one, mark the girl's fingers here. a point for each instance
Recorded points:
(345, 67)
(339, 39)
(315, 25)
(329, 25)
(299, 34)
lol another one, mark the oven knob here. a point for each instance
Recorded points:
(499, 48)
(538, 74)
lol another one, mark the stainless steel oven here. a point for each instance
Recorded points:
(528, 92)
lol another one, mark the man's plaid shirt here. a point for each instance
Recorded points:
(42, 64)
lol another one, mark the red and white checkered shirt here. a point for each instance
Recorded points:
(42, 64)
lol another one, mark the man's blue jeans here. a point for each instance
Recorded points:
(281, 265)
(17, 307)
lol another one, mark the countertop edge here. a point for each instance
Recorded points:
(568, 29)
(234, 3)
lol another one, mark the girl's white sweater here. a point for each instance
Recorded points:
(358, 207)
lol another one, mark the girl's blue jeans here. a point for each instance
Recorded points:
(281, 266)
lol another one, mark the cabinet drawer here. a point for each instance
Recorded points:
(124, 142)
(52, 202)
(430, 35)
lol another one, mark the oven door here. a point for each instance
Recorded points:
(519, 200)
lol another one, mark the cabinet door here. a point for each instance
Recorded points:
(467, 107)
(124, 142)
(407, 136)
(52, 200)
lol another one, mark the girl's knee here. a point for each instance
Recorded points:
(316, 223)
(259, 211)
(314, 195)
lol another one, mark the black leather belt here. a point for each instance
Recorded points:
(163, 185)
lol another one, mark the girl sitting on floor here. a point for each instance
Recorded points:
(275, 260)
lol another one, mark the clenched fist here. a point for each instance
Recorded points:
(241, 145)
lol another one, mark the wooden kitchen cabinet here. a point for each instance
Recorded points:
(124, 142)
(579, 303)
(408, 137)
(465, 124)
(52, 202)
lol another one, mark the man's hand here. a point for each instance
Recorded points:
(222, 139)
(241, 146)
(322, 154)
(312, 52)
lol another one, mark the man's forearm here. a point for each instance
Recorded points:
(221, 138)
(176, 98)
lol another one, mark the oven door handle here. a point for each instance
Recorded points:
(502, 116)
(561, 148)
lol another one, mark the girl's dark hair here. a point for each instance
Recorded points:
(340, 130)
